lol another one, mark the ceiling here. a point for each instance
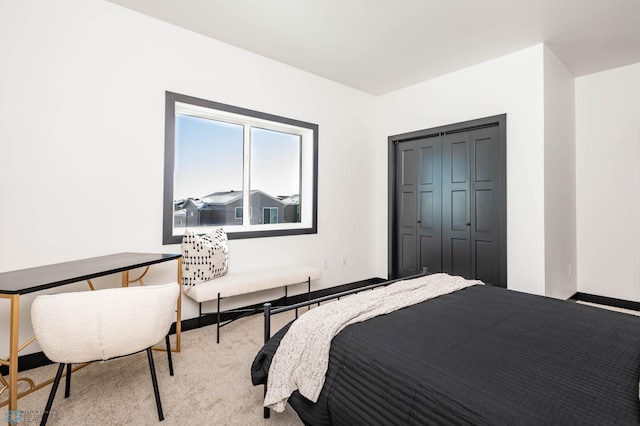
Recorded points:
(378, 46)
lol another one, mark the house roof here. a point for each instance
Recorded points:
(225, 197)
(228, 197)
(196, 202)
(292, 199)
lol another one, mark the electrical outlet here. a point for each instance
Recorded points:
(325, 263)
(343, 260)
(570, 269)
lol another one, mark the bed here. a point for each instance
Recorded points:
(480, 355)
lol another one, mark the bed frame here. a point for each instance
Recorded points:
(268, 310)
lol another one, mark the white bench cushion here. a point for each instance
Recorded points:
(234, 284)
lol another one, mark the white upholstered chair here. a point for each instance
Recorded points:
(98, 325)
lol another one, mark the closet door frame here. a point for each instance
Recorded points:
(501, 122)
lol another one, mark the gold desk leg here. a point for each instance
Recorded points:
(139, 279)
(126, 281)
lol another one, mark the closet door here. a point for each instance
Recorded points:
(448, 207)
(456, 205)
(418, 206)
(405, 209)
(429, 203)
(485, 205)
(471, 204)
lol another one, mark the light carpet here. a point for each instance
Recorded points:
(211, 385)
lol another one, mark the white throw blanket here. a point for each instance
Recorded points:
(302, 358)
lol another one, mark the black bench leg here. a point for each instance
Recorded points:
(218, 322)
(267, 335)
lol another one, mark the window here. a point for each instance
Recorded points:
(221, 161)
(238, 214)
(270, 215)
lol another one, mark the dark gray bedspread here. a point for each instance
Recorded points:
(480, 356)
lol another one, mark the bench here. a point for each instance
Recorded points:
(237, 284)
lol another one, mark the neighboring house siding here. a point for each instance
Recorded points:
(291, 213)
(259, 201)
(193, 215)
(180, 219)
(231, 212)
(220, 209)
(213, 215)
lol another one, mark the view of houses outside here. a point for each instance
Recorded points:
(209, 154)
(225, 208)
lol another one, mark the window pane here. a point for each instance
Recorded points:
(275, 176)
(270, 215)
(208, 172)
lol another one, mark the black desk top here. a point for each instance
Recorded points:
(29, 280)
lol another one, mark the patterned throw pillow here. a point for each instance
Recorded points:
(204, 257)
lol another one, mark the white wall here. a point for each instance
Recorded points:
(608, 182)
(82, 86)
(559, 179)
(512, 84)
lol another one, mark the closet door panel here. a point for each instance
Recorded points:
(408, 247)
(485, 187)
(459, 209)
(429, 181)
(484, 220)
(427, 201)
(485, 265)
(418, 206)
(460, 260)
(406, 210)
(456, 250)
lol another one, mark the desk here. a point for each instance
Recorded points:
(13, 284)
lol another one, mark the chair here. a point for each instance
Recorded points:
(99, 325)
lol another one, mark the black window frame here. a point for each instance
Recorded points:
(171, 99)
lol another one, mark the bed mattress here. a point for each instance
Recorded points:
(480, 356)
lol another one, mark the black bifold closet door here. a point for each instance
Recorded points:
(447, 206)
